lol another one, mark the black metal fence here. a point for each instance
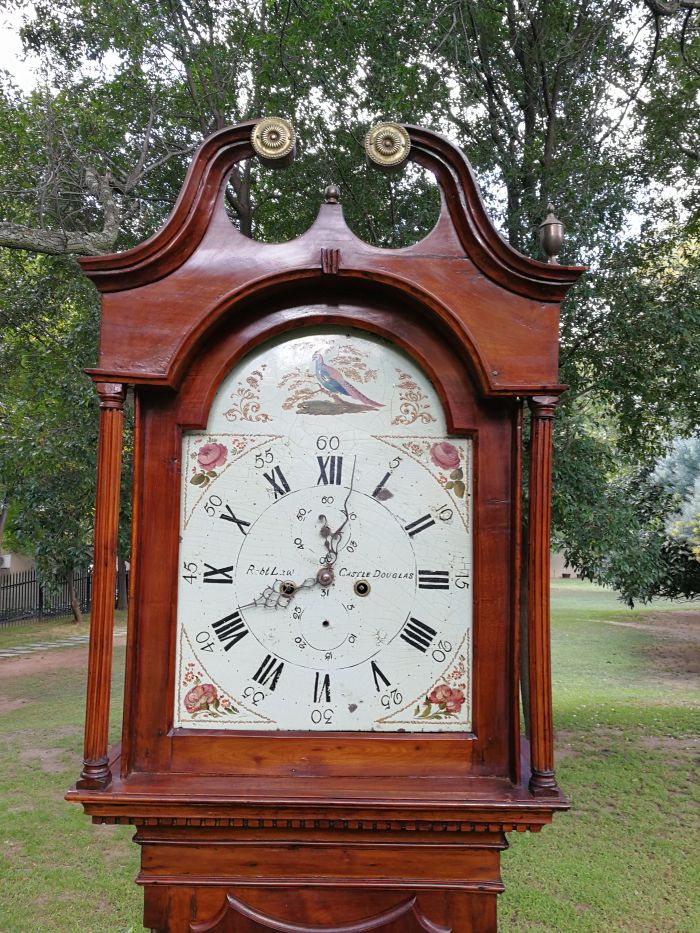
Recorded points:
(23, 598)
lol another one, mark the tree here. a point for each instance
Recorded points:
(678, 473)
(551, 99)
(48, 436)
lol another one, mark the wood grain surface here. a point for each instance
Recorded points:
(334, 832)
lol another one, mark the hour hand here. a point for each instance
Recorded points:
(277, 595)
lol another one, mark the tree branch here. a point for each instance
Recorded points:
(670, 9)
(60, 242)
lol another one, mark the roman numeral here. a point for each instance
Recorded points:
(230, 630)
(331, 470)
(269, 671)
(230, 517)
(433, 579)
(418, 634)
(279, 488)
(420, 524)
(322, 689)
(378, 675)
(218, 574)
(377, 494)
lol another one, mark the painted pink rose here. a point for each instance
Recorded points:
(211, 456)
(445, 455)
(200, 697)
(447, 698)
(440, 694)
(455, 702)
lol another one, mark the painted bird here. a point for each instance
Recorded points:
(334, 382)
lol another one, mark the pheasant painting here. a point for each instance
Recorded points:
(335, 384)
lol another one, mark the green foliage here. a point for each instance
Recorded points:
(679, 474)
(48, 412)
(590, 104)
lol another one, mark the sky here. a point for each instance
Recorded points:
(11, 54)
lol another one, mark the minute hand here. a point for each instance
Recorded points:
(333, 540)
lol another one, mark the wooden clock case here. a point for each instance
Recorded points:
(299, 831)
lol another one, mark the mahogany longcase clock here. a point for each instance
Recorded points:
(321, 716)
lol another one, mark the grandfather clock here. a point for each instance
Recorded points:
(321, 710)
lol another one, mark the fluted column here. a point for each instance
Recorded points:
(542, 781)
(96, 773)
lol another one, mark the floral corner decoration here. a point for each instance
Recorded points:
(442, 702)
(209, 457)
(445, 456)
(204, 698)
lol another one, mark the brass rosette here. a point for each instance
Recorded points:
(387, 146)
(274, 141)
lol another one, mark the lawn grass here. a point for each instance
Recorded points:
(58, 873)
(627, 856)
(624, 859)
(50, 630)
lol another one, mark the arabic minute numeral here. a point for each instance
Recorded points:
(262, 460)
(204, 641)
(318, 716)
(443, 649)
(212, 504)
(444, 513)
(255, 696)
(462, 581)
(392, 698)
(324, 442)
(191, 571)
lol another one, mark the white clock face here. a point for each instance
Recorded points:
(325, 547)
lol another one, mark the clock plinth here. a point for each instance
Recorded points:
(386, 854)
(321, 720)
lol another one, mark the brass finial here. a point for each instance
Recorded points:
(331, 194)
(387, 146)
(551, 232)
(274, 141)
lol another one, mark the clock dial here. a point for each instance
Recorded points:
(325, 557)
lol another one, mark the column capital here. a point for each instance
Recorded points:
(543, 406)
(111, 394)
